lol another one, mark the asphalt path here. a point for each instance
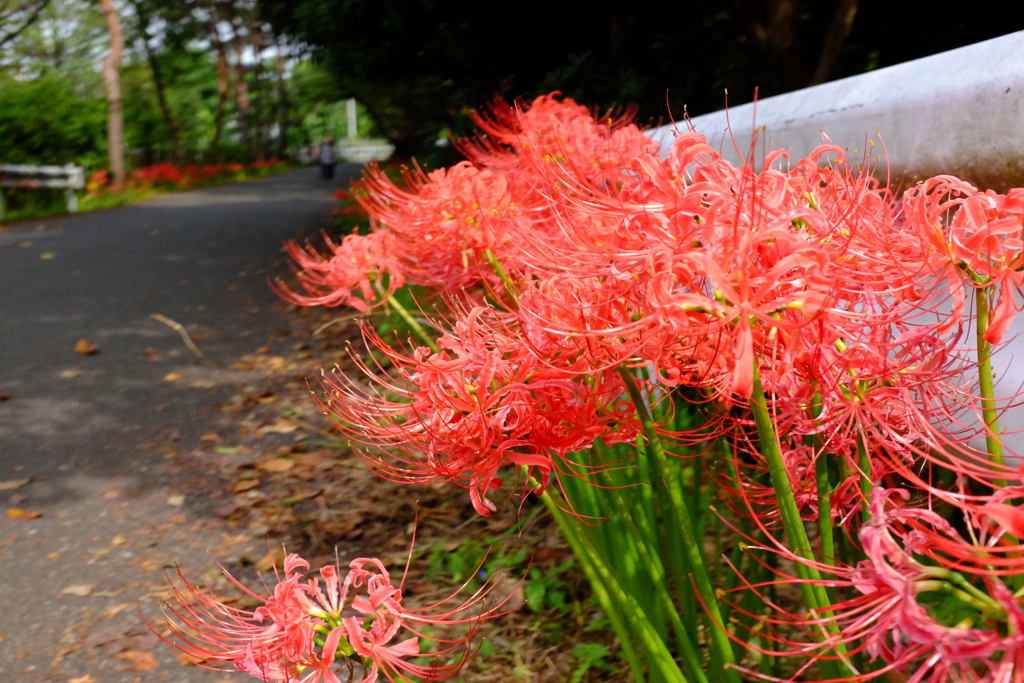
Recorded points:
(93, 433)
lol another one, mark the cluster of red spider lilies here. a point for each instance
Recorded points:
(758, 398)
(166, 174)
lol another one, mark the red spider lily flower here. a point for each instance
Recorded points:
(724, 267)
(163, 172)
(353, 276)
(311, 629)
(1009, 517)
(913, 604)
(483, 402)
(443, 223)
(976, 236)
(556, 133)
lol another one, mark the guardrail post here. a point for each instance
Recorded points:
(76, 181)
(72, 198)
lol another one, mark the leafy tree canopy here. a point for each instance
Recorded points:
(416, 64)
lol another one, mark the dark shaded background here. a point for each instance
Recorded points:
(417, 64)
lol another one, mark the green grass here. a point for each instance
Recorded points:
(44, 203)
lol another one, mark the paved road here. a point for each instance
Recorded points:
(92, 433)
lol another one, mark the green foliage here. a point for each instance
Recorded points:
(547, 591)
(417, 64)
(318, 107)
(52, 119)
(589, 656)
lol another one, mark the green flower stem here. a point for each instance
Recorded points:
(989, 411)
(661, 659)
(692, 543)
(814, 593)
(825, 532)
(864, 465)
(655, 570)
(415, 326)
(505, 280)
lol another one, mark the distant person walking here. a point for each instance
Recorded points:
(327, 159)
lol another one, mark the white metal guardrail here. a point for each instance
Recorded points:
(364, 151)
(959, 112)
(69, 177)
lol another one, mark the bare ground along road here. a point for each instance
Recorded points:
(100, 437)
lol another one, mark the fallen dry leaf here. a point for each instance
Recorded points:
(210, 436)
(301, 495)
(177, 519)
(172, 376)
(279, 427)
(152, 353)
(5, 397)
(68, 374)
(138, 660)
(275, 558)
(79, 591)
(87, 678)
(119, 540)
(243, 485)
(83, 347)
(147, 563)
(275, 465)
(19, 514)
(47, 255)
(176, 500)
(12, 484)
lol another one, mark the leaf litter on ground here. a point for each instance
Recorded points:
(275, 476)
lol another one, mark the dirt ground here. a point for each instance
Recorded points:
(190, 438)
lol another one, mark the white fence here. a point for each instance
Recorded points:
(69, 177)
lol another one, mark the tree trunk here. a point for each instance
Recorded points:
(260, 110)
(222, 83)
(282, 105)
(838, 31)
(112, 81)
(241, 87)
(158, 83)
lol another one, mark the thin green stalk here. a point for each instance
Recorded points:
(721, 646)
(656, 572)
(814, 593)
(502, 275)
(825, 532)
(413, 325)
(603, 581)
(989, 410)
(826, 537)
(864, 465)
(824, 490)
